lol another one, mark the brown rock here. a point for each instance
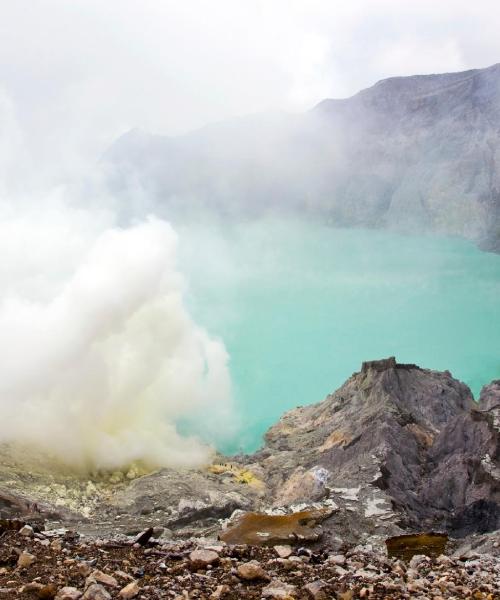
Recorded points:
(201, 559)
(283, 551)
(32, 587)
(317, 590)
(26, 531)
(25, 560)
(96, 592)
(279, 590)
(123, 576)
(39, 590)
(337, 559)
(131, 590)
(84, 569)
(68, 593)
(102, 578)
(251, 571)
(56, 545)
(220, 592)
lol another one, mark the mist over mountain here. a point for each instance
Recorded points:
(417, 154)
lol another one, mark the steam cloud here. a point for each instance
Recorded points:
(98, 356)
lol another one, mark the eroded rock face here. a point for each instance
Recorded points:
(397, 445)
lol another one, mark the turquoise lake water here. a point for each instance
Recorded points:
(299, 306)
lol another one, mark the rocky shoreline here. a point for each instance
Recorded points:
(397, 449)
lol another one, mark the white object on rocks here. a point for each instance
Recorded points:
(283, 551)
(26, 531)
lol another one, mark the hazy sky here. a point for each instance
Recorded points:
(74, 74)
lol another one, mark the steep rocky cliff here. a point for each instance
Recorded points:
(417, 153)
(410, 445)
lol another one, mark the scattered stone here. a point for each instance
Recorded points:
(279, 590)
(25, 560)
(100, 577)
(283, 551)
(337, 559)
(251, 571)
(238, 572)
(216, 548)
(26, 531)
(34, 586)
(56, 545)
(143, 538)
(123, 576)
(416, 561)
(348, 595)
(220, 592)
(39, 590)
(96, 592)
(201, 559)
(68, 593)
(84, 569)
(131, 590)
(317, 590)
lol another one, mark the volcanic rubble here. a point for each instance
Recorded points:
(389, 488)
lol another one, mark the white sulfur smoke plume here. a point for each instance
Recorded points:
(98, 356)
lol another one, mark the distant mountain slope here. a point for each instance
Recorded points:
(418, 153)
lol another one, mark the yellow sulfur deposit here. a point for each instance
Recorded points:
(239, 474)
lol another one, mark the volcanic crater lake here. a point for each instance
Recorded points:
(300, 305)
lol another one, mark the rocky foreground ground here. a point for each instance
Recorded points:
(65, 566)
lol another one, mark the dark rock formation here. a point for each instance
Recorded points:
(414, 153)
(409, 444)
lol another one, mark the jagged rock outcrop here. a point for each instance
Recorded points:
(416, 153)
(397, 448)
(400, 444)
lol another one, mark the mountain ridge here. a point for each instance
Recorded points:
(412, 154)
